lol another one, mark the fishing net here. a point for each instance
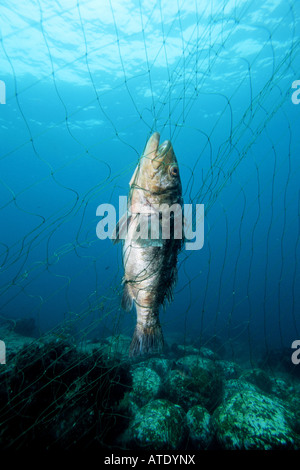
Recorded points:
(84, 85)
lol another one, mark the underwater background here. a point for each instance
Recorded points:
(83, 86)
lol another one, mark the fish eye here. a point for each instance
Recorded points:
(173, 170)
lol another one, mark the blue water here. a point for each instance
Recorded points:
(85, 87)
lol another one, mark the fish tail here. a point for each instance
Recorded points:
(146, 339)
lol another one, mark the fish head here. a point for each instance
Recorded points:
(157, 172)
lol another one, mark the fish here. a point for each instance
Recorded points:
(150, 261)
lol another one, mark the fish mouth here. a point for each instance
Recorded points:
(155, 152)
(163, 148)
(161, 152)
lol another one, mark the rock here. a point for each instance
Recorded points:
(14, 343)
(230, 370)
(195, 362)
(233, 386)
(199, 424)
(117, 346)
(282, 388)
(187, 349)
(127, 406)
(294, 403)
(159, 425)
(112, 347)
(56, 396)
(179, 389)
(190, 350)
(260, 378)
(251, 420)
(208, 353)
(146, 385)
(159, 364)
(201, 383)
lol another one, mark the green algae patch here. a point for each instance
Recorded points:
(159, 425)
(250, 420)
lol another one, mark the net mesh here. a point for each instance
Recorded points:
(86, 84)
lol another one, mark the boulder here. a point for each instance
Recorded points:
(196, 380)
(199, 424)
(146, 385)
(252, 420)
(159, 425)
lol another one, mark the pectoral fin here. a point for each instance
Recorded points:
(120, 230)
(133, 176)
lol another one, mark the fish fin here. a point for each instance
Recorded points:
(127, 300)
(172, 282)
(169, 286)
(131, 182)
(120, 230)
(146, 339)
